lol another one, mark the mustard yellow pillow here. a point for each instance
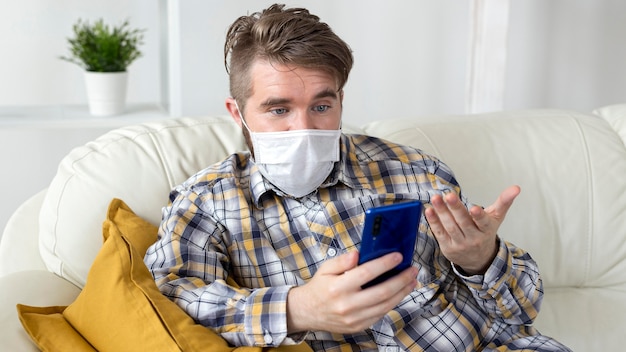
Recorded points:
(140, 233)
(50, 331)
(120, 308)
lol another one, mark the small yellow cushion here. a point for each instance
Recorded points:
(49, 329)
(120, 308)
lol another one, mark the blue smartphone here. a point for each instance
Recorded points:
(390, 228)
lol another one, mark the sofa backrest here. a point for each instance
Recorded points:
(570, 166)
(572, 171)
(138, 164)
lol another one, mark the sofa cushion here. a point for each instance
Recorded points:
(120, 307)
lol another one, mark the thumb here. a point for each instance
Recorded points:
(501, 206)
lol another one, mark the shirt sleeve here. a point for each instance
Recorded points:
(511, 289)
(190, 265)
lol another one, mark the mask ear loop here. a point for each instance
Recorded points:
(243, 121)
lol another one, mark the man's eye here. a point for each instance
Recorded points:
(279, 111)
(322, 108)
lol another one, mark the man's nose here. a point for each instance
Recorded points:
(302, 121)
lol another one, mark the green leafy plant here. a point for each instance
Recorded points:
(99, 48)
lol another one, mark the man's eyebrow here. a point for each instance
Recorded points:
(326, 93)
(276, 101)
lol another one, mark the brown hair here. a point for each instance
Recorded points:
(283, 36)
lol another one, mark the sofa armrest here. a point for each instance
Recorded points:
(19, 245)
(26, 288)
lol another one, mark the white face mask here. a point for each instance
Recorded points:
(297, 162)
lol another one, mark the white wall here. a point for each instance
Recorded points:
(566, 54)
(411, 55)
(33, 34)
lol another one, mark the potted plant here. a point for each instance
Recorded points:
(105, 53)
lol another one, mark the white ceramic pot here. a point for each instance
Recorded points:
(106, 92)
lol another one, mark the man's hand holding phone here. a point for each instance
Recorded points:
(351, 292)
(333, 300)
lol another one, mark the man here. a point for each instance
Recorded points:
(263, 247)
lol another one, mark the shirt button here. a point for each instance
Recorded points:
(332, 252)
(268, 338)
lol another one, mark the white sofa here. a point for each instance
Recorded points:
(571, 214)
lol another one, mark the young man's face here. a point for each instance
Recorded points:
(289, 98)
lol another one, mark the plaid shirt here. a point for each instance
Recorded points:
(231, 246)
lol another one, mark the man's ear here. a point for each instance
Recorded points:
(231, 106)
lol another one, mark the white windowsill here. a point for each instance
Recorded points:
(76, 116)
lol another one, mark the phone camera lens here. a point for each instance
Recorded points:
(376, 227)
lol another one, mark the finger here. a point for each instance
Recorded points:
(494, 214)
(445, 216)
(381, 298)
(503, 203)
(481, 219)
(365, 307)
(453, 218)
(463, 220)
(395, 284)
(436, 226)
(374, 268)
(340, 264)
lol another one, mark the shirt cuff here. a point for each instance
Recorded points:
(265, 320)
(497, 272)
